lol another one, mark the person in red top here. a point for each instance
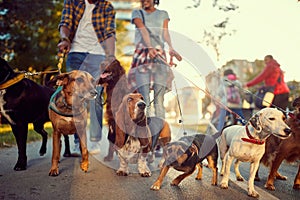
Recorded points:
(272, 75)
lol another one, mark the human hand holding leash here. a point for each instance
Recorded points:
(64, 45)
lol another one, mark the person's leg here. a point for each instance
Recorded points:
(73, 62)
(281, 101)
(239, 111)
(91, 64)
(222, 117)
(160, 77)
(143, 87)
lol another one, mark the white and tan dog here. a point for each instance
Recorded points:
(247, 143)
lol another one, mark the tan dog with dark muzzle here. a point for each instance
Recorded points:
(68, 112)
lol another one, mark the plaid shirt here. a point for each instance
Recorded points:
(144, 64)
(103, 18)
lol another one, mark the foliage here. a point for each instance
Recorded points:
(7, 138)
(213, 35)
(31, 29)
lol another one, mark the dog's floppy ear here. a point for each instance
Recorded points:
(59, 80)
(121, 123)
(255, 122)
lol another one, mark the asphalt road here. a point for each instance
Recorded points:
(101, 182)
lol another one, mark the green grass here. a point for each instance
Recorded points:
(7, 138)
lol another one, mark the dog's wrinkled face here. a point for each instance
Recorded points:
(5, 71)
(111, 73)
(79, 84)
(136, 106)
(271, 121)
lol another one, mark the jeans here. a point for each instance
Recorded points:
(223, 113)
(90, 63)
(143, 80)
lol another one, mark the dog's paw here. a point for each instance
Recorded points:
(54, 172)
(43, 151)
(145, 174)
(280, 177)
(239, 178)
(224, 185)
(84, 166)
(296, 186)
(253, 193)
(20, 167)
(122, 173)
(270, 186)
(175, 182)
(155, 186)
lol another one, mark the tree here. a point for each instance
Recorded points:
(28, 32)
(213, 35)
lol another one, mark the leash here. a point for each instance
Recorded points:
(237, 116)
(178, 57)
(12, 81)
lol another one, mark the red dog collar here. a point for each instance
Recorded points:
(251, 139)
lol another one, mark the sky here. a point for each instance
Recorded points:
(262, 27)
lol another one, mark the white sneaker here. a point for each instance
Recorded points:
(95, 148)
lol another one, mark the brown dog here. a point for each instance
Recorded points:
(186, 155)
(68, 112)
(113, 78)
(278, 150)
(136, 134)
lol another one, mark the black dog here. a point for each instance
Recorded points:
(23, 101)
(187, 154)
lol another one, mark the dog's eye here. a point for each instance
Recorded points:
(129, 99)
(272, 118)
(79, 80)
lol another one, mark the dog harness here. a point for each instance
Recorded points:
(251, 139)
(12, 81)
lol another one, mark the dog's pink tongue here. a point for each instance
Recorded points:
(104, 75)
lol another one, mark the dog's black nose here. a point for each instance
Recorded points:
(287, 130)
(141, 105)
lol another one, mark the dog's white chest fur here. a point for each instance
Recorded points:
(131, 150)
(2, 103)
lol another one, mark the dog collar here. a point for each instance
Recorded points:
(251, 139)
(12, 81)
(54, 108)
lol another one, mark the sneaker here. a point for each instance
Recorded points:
(76, 149)
(95, 148)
